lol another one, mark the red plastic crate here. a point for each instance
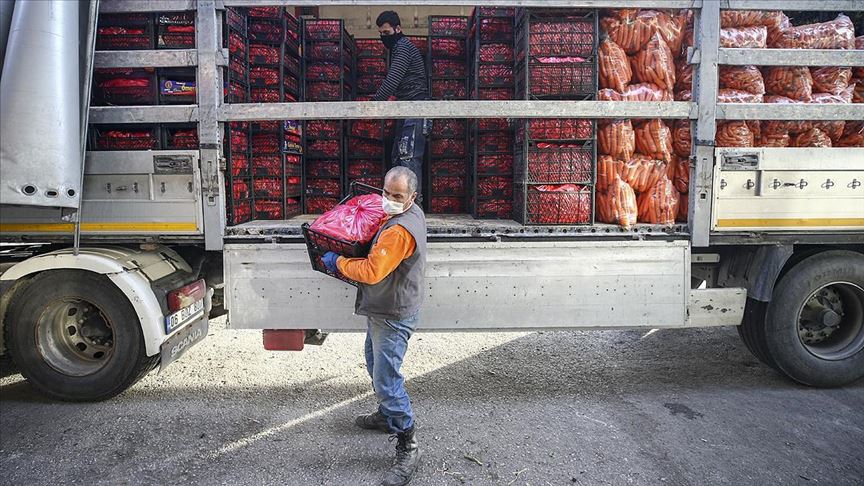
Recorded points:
(449, 89)
(270, 187)
(495, 75)
(358, 168)
(318, 205)
(560, 129)
(323, 168)
(495, 164)
(324, 187)
(268, 210)
(546, 205)
(444, 147)
(446, 205)
(551, 163)
(448, 185)
(496, 53)
(448, 68)
(495, 208)
(495, 186)
(448, 48)
(496, 94)
(494, 142)
(453, 167)
(263, 54)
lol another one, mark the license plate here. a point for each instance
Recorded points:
(179, 343)
(183, 316)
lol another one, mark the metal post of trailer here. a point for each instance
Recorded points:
(209, 87)
(705, 81)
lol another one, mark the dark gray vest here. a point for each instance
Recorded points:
(400, 295)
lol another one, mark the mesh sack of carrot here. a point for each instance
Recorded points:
(844, 97)
(635, 92)
(672, 26)
(748, 18)
(811, 138)
(682, 138)
(744, 78)
(642, 172)
(725, 95)
(834, 129)
(617, 205)
(684, 95)
(679, 172)
(654, 139)
(745, 37)
(615, 72)
(835, 34)
(791, 82)
(631, 32)
(616, 138)
(791, 126)
(654, 64)
(683, 76)
(659, 204)
(858, 71)
(607, 171)
(857, 90)
(774, 138)
(853, 135)
(734, 134)
(831, 79)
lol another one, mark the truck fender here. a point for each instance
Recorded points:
(121, 268)
(755, 269)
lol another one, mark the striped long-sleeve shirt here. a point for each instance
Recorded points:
(406, 75)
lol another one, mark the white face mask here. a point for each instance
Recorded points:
(392, 208)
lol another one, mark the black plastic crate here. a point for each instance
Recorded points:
(448, 205)
(236, 19)
(239, 212)
(370, 48)
(556, 163)
(177, 86)
(180, 136)
(175, 30)
(492, 208)
(127, 31)
(448, 26)
(124, 86)
(263, 30)
(124, 137)
(558, 204)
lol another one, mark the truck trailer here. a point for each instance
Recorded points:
(113, 261)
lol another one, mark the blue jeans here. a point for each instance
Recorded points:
(409, 146)
(386, 343)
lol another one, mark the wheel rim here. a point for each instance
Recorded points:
(74, 337)
(831, 321)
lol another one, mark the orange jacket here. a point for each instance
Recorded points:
(394, 245)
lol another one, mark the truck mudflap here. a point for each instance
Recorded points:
(177, 344)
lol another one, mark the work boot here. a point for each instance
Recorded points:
(407, 460)
(373, 421)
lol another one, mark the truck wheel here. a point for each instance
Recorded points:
(814, 326)
(76, 337)
(752, 331)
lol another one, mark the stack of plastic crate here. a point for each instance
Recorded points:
(328, 55)
(275, 146)
(237, 42)
(235, 142)
(368, 140)
(447, 170)
(555, 158)
(491, 46)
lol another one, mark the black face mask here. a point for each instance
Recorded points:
(390, 40)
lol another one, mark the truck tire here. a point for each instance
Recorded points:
(76, 337)
(814, 324)
(752, 331)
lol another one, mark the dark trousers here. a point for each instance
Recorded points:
(409, 146)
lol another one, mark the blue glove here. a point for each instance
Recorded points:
(329, 260)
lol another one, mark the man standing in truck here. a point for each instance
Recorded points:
(389, 293)
(406, 80)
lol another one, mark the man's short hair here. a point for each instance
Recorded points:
(408, 174)
(388, 17)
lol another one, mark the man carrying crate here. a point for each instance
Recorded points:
(406, 80)
(389, 293)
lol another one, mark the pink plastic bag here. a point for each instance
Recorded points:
(356, 221)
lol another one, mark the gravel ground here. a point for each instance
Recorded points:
(614, 407)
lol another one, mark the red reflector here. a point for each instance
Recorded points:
(186, 296)
(284, 339)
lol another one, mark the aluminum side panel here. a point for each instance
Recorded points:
(530, 285)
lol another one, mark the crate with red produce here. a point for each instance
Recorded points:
(124, 86)
(175, 30)
(127, 31)
(553, 204)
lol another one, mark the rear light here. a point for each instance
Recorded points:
(186, 296)
(284, 339)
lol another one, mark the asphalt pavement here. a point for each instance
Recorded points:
(676, 407)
